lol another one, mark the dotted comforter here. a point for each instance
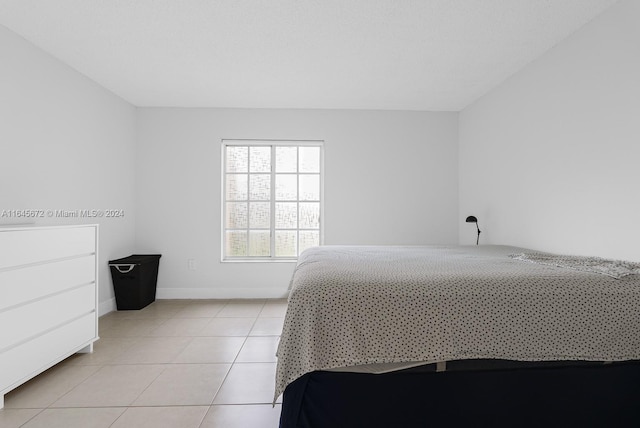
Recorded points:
(351, 306)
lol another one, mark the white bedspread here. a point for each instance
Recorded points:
(352, 306)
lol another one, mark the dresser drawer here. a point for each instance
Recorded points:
(21, 247)
(25, 322)
(21, 363)
(21, 285)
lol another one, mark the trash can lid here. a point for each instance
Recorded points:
(136, 259)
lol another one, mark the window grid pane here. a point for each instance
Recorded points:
(286, 159)
(309, 159)
(237, 187)
(309, 187)
(259, 243)
(286, 215)
(260, 187)
(286, 187)
(259, 215)
(309, 215)
(272, 195)
(236, 217)
(286, 243)
(236, 243)
(260, 160)
(237, 158)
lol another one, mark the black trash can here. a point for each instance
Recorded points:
(134, 280)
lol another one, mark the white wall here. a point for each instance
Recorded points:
(550, 160)
(65, 144)
(390, 178)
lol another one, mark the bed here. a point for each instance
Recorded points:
(459, 336)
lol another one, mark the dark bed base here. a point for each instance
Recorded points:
(546, 396)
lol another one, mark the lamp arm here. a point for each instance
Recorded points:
(478, 238)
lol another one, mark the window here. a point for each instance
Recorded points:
(272, 198)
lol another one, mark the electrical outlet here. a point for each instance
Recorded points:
(191, 264)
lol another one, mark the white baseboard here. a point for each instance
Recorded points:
(205, 293)
(106, 307)
(221, 293)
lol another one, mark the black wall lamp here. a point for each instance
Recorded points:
(473, 219)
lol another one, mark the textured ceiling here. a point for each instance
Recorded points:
(436, 55)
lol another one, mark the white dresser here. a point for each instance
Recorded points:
(48, 298)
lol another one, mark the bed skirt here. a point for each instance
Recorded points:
(578, 395)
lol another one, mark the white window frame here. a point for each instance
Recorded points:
(271, 143)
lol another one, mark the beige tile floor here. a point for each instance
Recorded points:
(175, 363)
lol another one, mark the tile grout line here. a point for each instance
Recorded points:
(119, 327)
(236, 357)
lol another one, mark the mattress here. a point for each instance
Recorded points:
(358, 306)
